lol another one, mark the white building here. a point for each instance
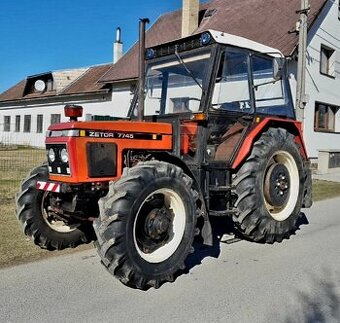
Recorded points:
(27, 109)
(321, 117)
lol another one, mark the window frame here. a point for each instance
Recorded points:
(29, 128)
(329, 49)
(17, 125)
(316, 117)
(54, 115)
(7, 123)
(40, 123)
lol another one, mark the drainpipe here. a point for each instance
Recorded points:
(301, 98)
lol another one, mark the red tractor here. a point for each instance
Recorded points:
(211, 133)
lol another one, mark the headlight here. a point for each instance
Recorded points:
(64, 155)
(51, 155)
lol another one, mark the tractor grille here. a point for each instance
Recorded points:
(56, 165)
(101, 158)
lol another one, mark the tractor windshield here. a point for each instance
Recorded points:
(174, 83)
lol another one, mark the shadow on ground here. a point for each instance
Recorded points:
(220, 226)
(320, 304)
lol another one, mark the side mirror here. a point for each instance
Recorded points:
(278, 68)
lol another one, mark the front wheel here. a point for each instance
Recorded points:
(270, 187)
(40, 223)
(147, 224)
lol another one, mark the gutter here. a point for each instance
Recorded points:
(56, 97)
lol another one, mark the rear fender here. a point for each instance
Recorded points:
(261, 126)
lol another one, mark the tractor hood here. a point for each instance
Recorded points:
(108, 129)
(95, 151)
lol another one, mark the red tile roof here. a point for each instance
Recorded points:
(14, 93)
(86, 83)
(265, 21)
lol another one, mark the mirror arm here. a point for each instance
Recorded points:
(265, 83)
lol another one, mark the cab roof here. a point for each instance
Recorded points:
(237, 41)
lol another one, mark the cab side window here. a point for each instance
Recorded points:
(268, 92)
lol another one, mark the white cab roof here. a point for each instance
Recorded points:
(228, 39)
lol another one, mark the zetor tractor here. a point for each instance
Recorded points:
(211, 133)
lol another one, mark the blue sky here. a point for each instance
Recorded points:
(43, 35)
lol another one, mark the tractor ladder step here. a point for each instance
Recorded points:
(220, 188)
(222, 213)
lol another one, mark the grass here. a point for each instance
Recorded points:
(324, 190)
(15, 247)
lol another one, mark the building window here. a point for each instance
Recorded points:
(55, 118)
(327, 61)
(40, 123)
(49, 85)
(27, 123)
(324, 119)
(88, 117)
(7, 123)
(17, 123)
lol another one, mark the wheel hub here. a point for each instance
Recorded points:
(277, 185)
(158, 223)
(53, 219)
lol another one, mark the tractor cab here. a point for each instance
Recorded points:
(217, 87)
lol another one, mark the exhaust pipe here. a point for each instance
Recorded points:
(141, 68)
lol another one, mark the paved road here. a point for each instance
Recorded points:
(296, 281)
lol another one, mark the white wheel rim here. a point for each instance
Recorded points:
(288, 161)
(52, 222)
(174, 202)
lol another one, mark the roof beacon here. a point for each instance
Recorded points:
(73, 111)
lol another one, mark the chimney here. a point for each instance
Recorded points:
(117, 47)
(190, 16)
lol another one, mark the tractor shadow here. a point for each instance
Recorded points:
(220, 226)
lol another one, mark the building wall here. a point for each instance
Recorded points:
(322, 88)
(113, 104)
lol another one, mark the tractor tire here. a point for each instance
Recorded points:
(37, 223)
(147, 224)
(270, 189)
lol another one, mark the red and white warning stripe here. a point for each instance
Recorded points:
(47, 186)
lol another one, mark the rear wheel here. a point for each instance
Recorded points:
(147, 224)
(270, 188)
(40, 223)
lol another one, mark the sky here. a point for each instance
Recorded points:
(39, 36)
